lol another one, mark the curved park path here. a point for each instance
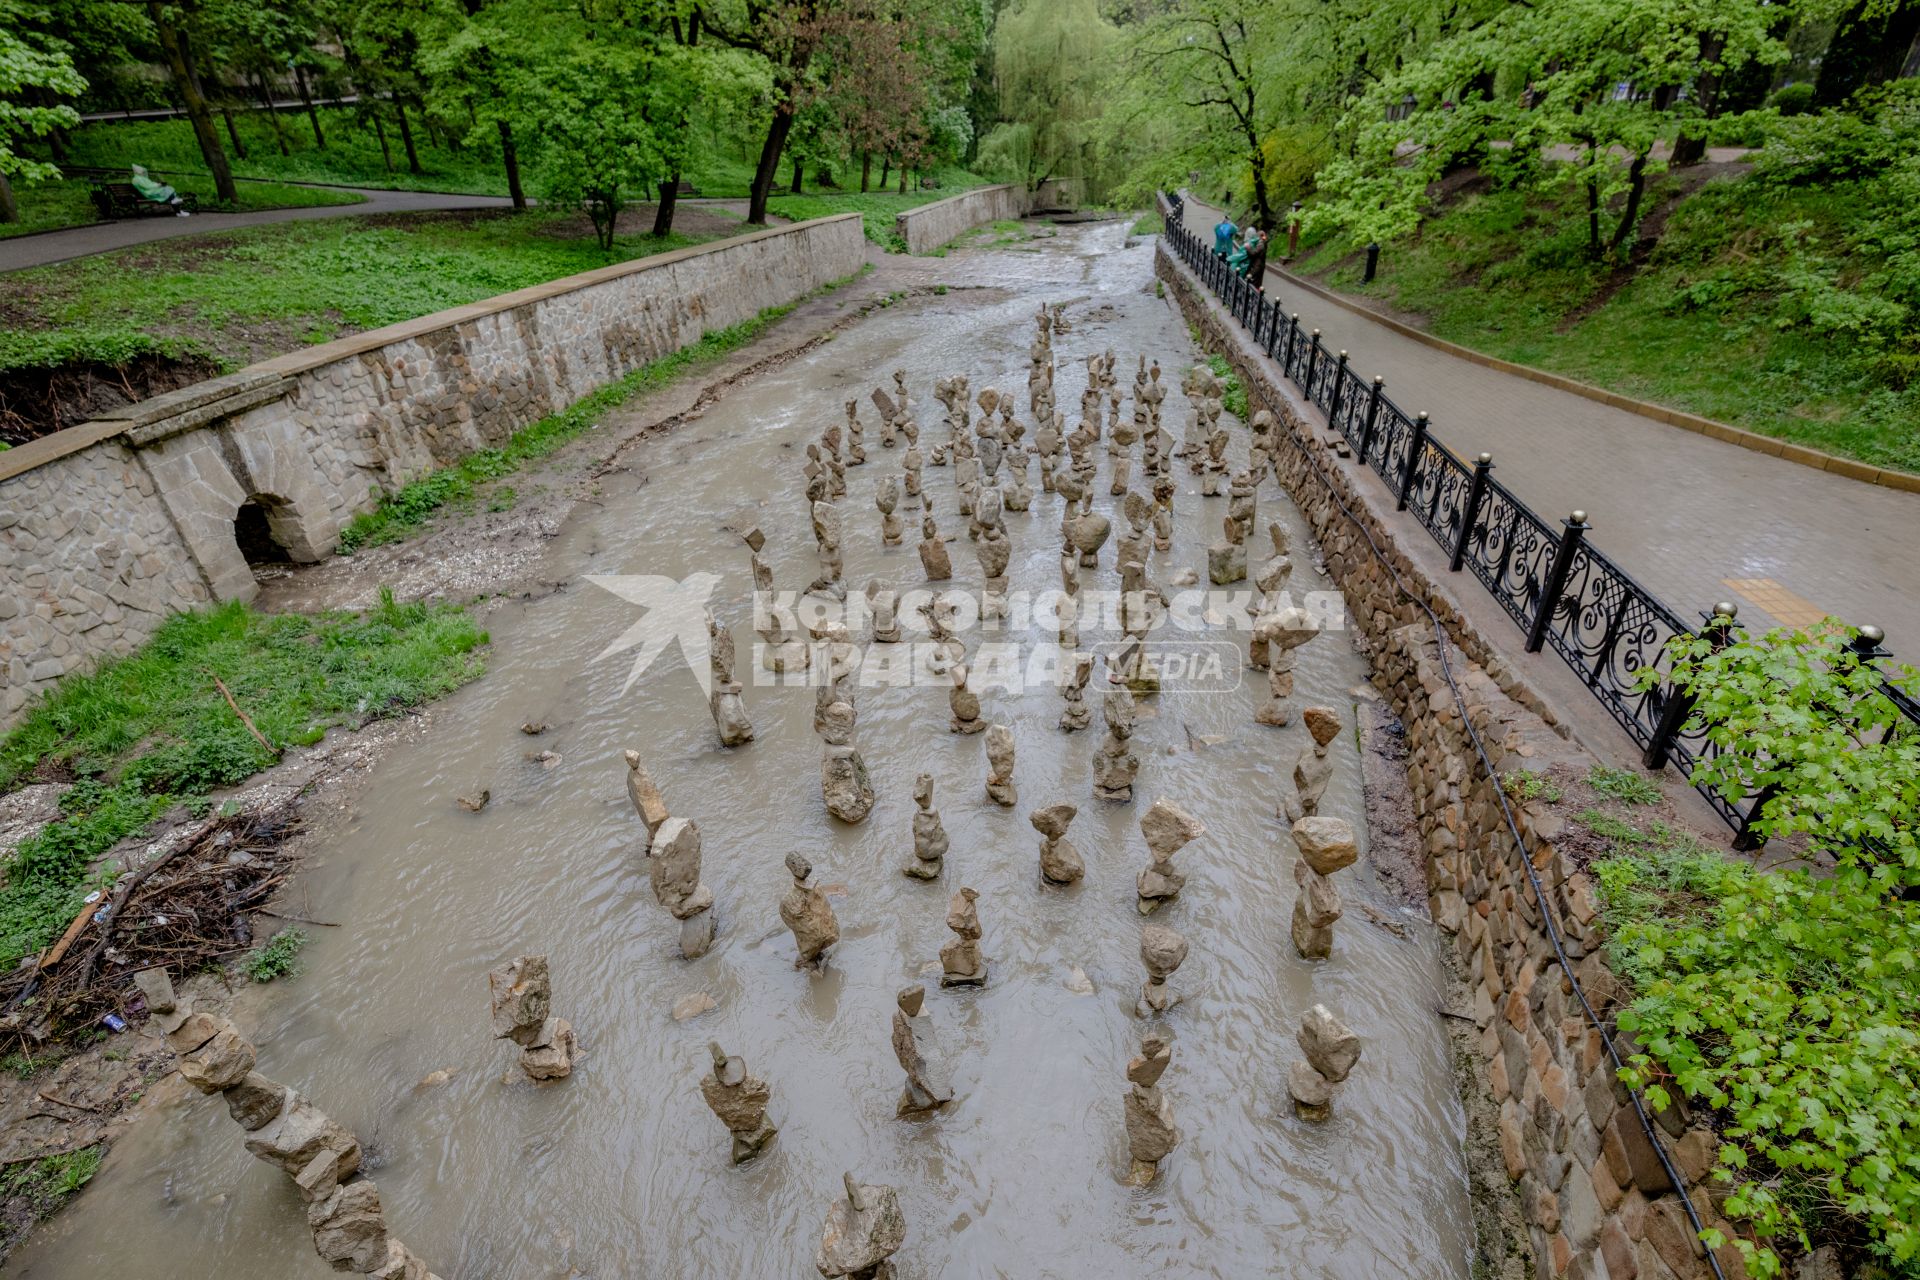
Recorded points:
(98, 237)
(1694, 518)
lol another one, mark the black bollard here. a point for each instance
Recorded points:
(1373, 261)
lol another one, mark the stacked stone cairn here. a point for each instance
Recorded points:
(780, 650)
(961, 964)
(521, 994)
(1331, 1051)
(729, 712)
(861, 1232)
(1326, 845)
(1151, 1135)
(1162, 950)
(740, 1100)
(929, 835)
(1167, 828)
(1312, 769)
(1000, 786)
(1115, 766)
(322, 1159)
(1073, 689)
(806, 911)
(673, 861)
(1060, 862)
(917, 1049)
(886, 497)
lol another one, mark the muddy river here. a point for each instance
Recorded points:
(621, 1171)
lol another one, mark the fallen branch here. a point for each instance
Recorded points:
(281, 915)
(259, 737)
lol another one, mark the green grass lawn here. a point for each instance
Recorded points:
(1706, 323)
(151, 730)
(66, 204)
(241, 295)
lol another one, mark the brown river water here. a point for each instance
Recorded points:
(621, 1171)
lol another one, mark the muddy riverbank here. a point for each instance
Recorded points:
(620, 1170)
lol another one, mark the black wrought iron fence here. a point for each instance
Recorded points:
(1559, 588)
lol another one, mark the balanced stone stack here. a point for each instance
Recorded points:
(673, 861)
(961, 964)
(861, 1232)
(1162, 950)
(1060, 862)
(806, 911)
(1168, 828)
(343, 1211)
(1151, 1134)
(740, 1100)
(1312, 770)
(918, 1052)
(1115, 766)
(1331, 1049)
(729, 712)
(1000, 788)
(521, 993)
(929, 834)
(1326, 845)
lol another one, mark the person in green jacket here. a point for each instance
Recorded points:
(158, 192)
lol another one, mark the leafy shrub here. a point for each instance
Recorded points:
(278, 959)
(1793, 99)
(1624, 785)
(1878, 128)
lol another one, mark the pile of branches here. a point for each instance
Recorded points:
(190, 905)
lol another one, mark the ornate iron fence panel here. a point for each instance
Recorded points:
(1439, 495)
(1510, 550)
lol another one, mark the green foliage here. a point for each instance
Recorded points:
(1148, 224)
(1793, 99)
(1797, 717)
(147, 730)
(1531, 786)
(1625, 785)
(278, 959)
(1789, 1005)
(405, 509)
(34, 71)
(1233, 395)
(48, 1182)
(1047, 58)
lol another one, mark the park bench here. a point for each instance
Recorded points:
(121, 200)
(684, 188)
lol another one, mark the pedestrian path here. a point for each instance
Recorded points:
(19, 252)
(1693, 518)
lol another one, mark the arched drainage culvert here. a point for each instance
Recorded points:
(254, 532)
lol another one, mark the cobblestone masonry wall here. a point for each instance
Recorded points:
(1598, 1203)
(109, 526)
(932, 225)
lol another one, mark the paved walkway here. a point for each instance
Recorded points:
(1694, 518)
(98, 237)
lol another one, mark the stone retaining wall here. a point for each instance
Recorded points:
(109, 526)
(932, 225)
(1599, 1206)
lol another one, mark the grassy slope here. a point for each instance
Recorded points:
(311, 280)
(877, 209)
(1497, 274)
(148, 731)
(66, 204)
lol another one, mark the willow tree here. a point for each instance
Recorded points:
(1047, 69)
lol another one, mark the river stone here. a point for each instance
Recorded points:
(1146, 1067)
(522, 996)
(550, 1056)
(673, 862)
(862, 1230)
(301, 1132)
(1326, 843)
(1312, 1095)
(646, 797)
(1168, 827)
(196, 1030)
(692, 1006)
(349, 1230)
(1323, 723)
(1162, 950)
(1151, 1135)
(1329, 1043)
(255, 1101)
(221, 1062)
(156, 988)
(401, 1264)
(321, 1175)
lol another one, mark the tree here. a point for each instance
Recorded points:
(1047, 56)
(1201, 54)
(589, 106)
(29, 69)
(167, 25)
(785, 33)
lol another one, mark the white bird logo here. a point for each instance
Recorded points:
(675, 611)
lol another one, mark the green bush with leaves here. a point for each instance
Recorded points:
(1802, 723)
(280, 958)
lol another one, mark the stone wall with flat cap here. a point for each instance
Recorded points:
(1598, 1202)
(109, 526)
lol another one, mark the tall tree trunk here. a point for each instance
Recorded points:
(903, 177)
(197, 112)
(669, 196)
(795, 188)
(9, 210)
(777, 130)
(1690, 146)
(1593, 213)
(511, 159)
(273, 117)
(380, 132)
(1865, 50)
(886, 167)
(313, 116)
(233, 133)
(1637, 187)
(866, 170)
(406, 136)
